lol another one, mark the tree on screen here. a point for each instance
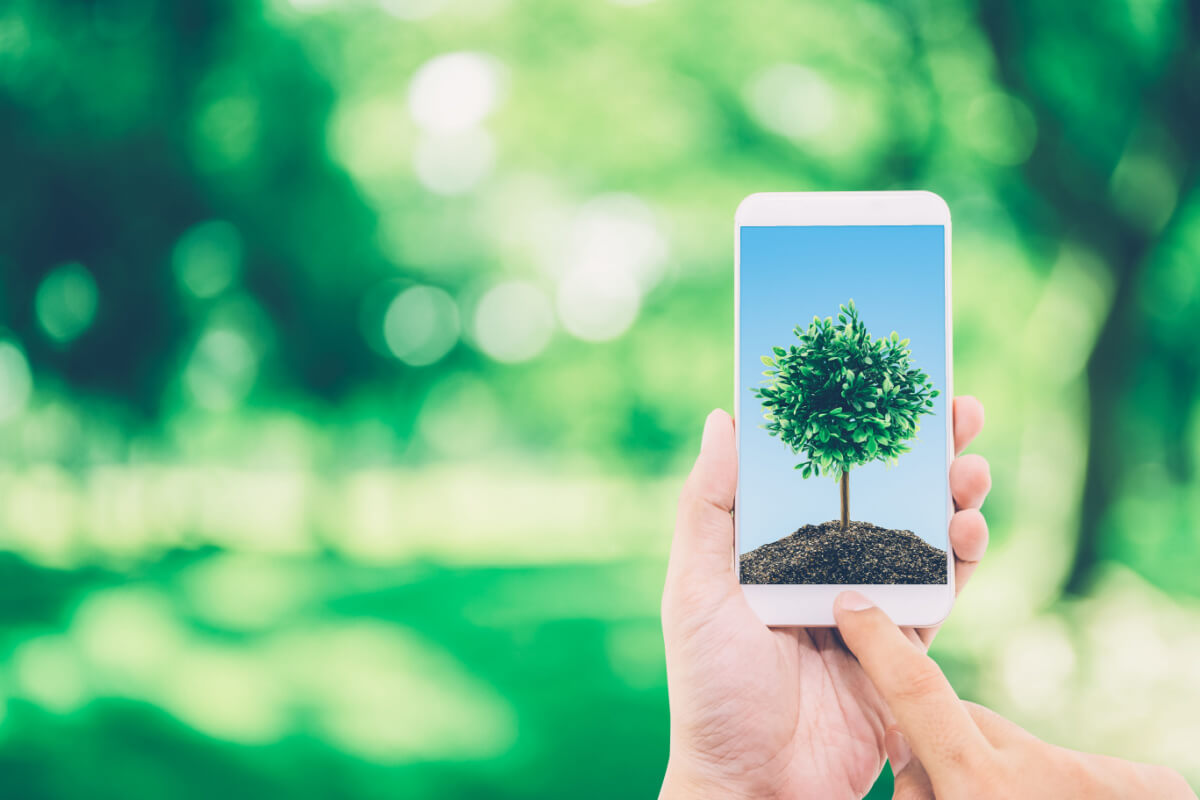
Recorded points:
(840, 398)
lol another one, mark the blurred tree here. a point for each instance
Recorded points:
(1115, 167)
(111, 152)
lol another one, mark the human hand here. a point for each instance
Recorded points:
(943, 747)
(767, 712)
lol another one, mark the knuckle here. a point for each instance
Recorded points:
(696, 496)
(967, 760)
(687, 495)
(919, 679)
(1075, 769)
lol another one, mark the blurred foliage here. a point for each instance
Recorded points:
(351, 354)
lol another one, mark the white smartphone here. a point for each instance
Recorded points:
(843, 404)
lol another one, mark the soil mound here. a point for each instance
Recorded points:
(864, 553)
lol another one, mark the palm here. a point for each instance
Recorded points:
(844, 719)
(789, 709)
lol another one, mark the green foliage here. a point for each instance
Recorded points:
(842, 398)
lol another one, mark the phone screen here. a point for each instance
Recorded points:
(842, 434)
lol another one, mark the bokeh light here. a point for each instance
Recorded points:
(1001, 128)
(227, 127)
(66, 302)
(16, 381)
(221, 370)
(513, 321)
(455, 91)
(420, 325)
(224, 692)
(207, 258)
(48, 671)
(792, 100)
(612, 254)
(454, 163)
(1145, 188)
(129, 635)
(597, 304)
(618, 233)
(460, 417)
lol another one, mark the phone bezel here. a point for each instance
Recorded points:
(811, 605)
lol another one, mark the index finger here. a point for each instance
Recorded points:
(928, 712)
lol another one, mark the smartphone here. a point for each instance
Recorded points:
(843, 384)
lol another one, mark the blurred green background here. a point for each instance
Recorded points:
(352, 354)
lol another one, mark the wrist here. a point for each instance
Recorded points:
(682, 783)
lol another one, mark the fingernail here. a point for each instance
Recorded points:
(898, 751)
(853, 601)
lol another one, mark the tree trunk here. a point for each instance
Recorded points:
(845, 500)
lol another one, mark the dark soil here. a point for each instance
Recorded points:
(864, 553)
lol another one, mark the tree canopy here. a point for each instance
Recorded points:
(840, 397)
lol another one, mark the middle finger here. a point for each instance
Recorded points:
(970, 481)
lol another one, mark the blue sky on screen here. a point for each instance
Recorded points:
(788, 275)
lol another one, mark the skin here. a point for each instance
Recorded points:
(963, 750)
(761, 712)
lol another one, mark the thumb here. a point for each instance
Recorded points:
(911, 780)
(703, 545)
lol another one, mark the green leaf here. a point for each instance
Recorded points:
(767, 360)
(779, 351)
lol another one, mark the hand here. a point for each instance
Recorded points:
(964, 750)
(767, 712)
